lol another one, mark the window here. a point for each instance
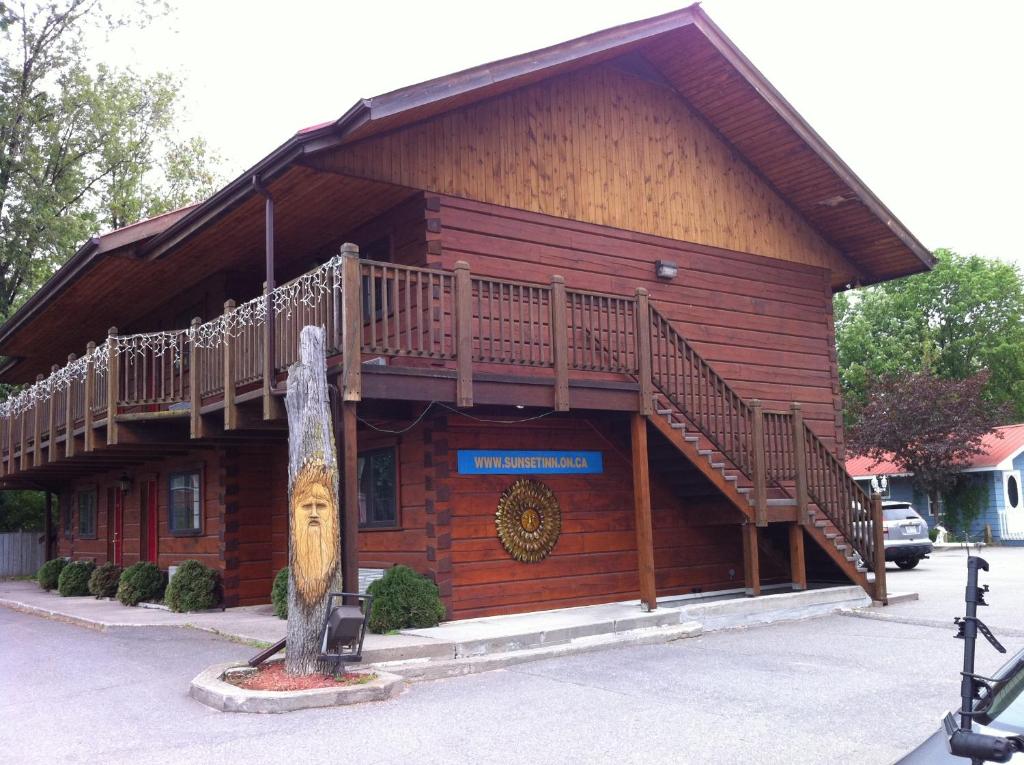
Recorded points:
(185, 506)
(1013, 489)
(378, 489)
(87, 514)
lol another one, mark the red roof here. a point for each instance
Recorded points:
(1003, 443)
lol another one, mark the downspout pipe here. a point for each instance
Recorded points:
(260, 189)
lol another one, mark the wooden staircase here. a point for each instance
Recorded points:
(769, 465)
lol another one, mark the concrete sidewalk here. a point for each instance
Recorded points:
(470, 645)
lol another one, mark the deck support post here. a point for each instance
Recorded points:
(800, 464)
(643, 350)
(760, 469)
(48, 527)
(51, 451)
(230, 407)
(37, 431)
(272, 409)
(642, 509)
(797, 562)
(463, 335)
(350, 477)
(751, 560)
(24, 441)
(352, 324)
(878, 533)
(90, 393)
(194, 394)
(69, 418)
(113, 376)
(560, 343)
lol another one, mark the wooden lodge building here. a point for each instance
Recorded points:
(590, 285)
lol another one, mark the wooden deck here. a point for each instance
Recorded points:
(421, 334)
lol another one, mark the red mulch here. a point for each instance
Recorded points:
(273, 677)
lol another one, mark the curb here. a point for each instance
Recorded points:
(208, 688)
(418, 670)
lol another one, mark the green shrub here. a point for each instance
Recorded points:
(194, 587)
(402, 598)
(104, 580)
(933, 533)
(49, 573)
(142, 581)
(279, 594)
(74, 578)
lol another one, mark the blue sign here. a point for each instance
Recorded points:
(505, 462)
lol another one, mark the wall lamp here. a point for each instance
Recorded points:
(125, 483)
(665, 269)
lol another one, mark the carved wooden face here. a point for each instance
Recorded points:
(314, 526)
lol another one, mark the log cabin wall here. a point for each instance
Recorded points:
(601, 145)
(698, 547)
(206, 547)
(765, 324)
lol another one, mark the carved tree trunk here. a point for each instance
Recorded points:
(314, 519)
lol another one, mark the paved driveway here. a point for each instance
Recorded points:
(838, 689)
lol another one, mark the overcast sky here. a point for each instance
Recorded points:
(922, 99)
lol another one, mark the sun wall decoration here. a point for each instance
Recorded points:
(528, 520)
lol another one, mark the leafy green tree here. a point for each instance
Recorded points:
(965, 316)
(84, 146)
(22, 510)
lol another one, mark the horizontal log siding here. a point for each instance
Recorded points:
(697, 547)
(765, 324)
(207, 548)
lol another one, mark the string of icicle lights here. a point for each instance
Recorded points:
(305, 292)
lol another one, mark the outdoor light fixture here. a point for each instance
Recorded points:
(666, 270)
(125, 483)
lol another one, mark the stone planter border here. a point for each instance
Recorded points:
(211, 689)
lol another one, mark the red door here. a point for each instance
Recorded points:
(118, 527)
(149, 521)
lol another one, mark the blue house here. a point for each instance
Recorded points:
(997, 470)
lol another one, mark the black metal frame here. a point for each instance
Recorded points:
(339, 658)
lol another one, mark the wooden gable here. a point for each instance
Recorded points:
(601, 145)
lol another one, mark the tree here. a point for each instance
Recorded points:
(965, 316)
(314, 520)
(83, 147)
(931, 425)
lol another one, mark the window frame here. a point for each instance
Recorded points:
(397, 522)
(79, 494)
(189, 532)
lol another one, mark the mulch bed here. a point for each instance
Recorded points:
(273, 677)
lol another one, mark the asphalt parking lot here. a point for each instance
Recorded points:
(836, 689)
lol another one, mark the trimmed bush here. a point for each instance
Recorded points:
(74, 578)
(49, 573)
(279, 594)
(104, 580)
(402, 598)
(194, 587)
(142, 581)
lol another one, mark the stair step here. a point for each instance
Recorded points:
(664, 411)
(690, 439)
(787, 502)
(677, 425)
(730, 478)
(718, 465)
(744, 490)
(705, 452)
(820, 524)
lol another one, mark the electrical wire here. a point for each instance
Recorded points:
(452, 409)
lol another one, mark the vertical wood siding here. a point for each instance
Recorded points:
(603, 146)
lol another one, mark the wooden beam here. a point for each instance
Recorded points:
(797, 561)
(751, 560)
(800, 464)
(560, 343)
(69, 418)
(230, 407)
(463, 334)
(760, 469)
(350, 479)
(194, 394)
(878, 532)
(90, 392)
(51, 452)
(642, 512)
(37, 431)
(113, 376)
(643, 350)
(352, 323)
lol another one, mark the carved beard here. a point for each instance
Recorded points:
(314, 539)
